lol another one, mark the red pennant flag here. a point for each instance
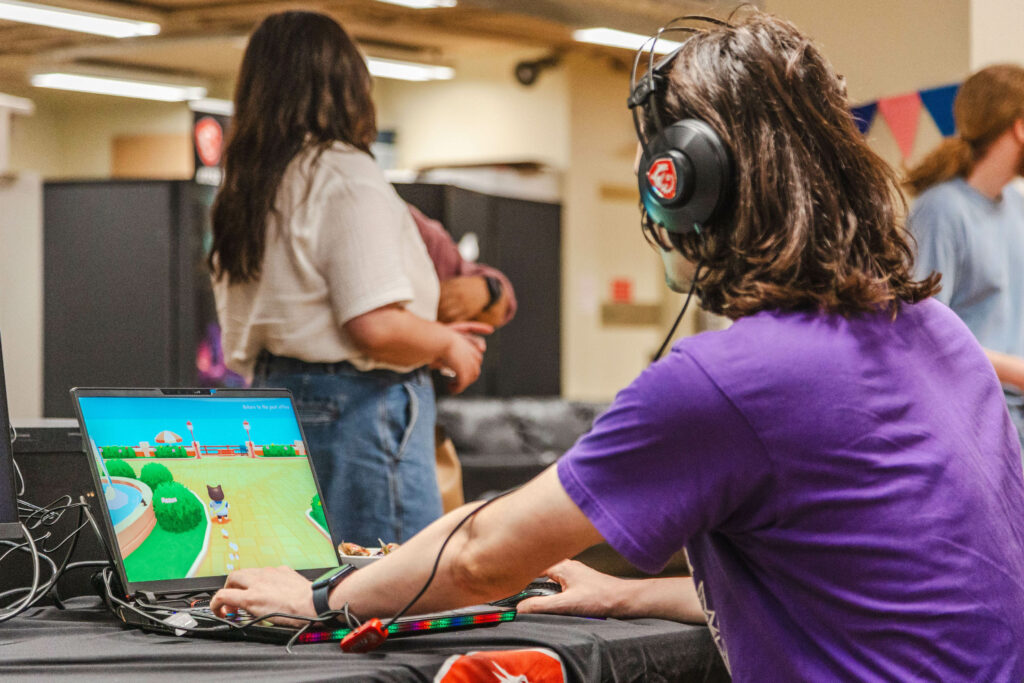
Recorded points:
(902, 113)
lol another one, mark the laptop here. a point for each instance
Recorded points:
(196, 483)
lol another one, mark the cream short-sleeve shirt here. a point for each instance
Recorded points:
(341, 243)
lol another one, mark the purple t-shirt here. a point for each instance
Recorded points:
(849, 493)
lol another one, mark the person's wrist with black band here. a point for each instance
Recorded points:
(323, 586)
(493, 290)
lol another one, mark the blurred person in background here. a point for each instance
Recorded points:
(968, 220)
(323, 284)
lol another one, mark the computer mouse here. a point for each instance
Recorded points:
(534, 590)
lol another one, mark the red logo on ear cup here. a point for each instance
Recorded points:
(662, 178)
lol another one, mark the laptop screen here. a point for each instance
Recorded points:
(9, 525)
(199, 486)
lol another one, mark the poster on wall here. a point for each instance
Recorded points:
(208, 134)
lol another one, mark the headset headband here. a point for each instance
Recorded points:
(640, 93)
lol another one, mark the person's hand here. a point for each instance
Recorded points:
(464, 354)
(265, 591)
(585, 592)
(462, 298)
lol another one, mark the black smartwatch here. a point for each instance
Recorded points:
(323, 585)
(493, 290)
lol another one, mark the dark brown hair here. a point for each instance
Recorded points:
(985, 107)
(302, 83)
(814, 218)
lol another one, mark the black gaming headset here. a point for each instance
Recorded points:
(685, 172)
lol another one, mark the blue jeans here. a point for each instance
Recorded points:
(371, 440)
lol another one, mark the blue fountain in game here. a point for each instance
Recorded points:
(122, 499)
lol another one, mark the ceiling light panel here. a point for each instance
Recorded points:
(421, 4)
(408, 71)
(144, 90)
(73, 20)
(615, 38)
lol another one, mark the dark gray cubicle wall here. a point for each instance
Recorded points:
(522, 238)
(127, 295)
(122, 262)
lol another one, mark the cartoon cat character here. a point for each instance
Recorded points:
(218, 506)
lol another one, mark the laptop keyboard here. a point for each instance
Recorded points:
(201, 608)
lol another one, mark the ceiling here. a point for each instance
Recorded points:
(204, 38)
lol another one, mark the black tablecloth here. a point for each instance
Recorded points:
(86, 643)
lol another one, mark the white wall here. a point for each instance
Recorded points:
(997, 32)
(891, 47)
(482, 115)
(21, 292)
(601, 238)
(71, 136)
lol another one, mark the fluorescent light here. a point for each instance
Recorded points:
(73, 20)
(119, 86)
(408, 71)
(614, 38)
(210, 105)
(421, 4)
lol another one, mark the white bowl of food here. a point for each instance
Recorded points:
(360, 556)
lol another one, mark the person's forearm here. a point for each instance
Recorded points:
(493, 555)
(1009, 369)
(394, 335)
(672, 598)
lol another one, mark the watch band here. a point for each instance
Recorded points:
(320, 596)
(493, 290)
(322, 587)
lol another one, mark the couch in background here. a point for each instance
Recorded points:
(505, 442)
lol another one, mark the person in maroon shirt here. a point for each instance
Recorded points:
(469, 290)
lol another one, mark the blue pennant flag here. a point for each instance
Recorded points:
(864, 116)
(939, 103)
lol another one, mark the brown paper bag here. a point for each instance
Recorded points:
(449, 470)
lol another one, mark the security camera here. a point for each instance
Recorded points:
(526, 72)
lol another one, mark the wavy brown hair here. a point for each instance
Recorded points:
(814, 220)
(986, 106)
(302, 83)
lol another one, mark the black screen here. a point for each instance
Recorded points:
(9, 527)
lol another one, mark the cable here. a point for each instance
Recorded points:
(437, 560)
(686, 303)
(12, 612)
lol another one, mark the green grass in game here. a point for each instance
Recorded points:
(165, 554)
(269, 500)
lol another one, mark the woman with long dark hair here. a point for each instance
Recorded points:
(323, 283)
(838, 464)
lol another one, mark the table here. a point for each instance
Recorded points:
(86, 643)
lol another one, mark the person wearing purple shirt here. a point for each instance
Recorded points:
(839, 464)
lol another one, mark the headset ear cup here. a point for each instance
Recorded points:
(685, 179)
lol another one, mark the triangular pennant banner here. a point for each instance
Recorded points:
(864, 116)
(939, 103)
(902, 113)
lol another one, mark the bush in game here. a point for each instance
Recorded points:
(119, 468)
(176, 508)
(169, 451)
(317, 511)
(275, 451)
(117, 452)
(154, 474)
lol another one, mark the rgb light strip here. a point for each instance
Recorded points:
(421, 625)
